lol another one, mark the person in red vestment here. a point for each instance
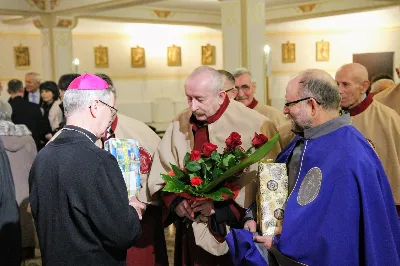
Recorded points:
(377, 122)
(211, 117)
(246, 87)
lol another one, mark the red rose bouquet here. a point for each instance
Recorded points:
(209, 174)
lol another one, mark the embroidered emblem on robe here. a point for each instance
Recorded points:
(145, 161)
(310, 186)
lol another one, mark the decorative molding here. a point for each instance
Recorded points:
(328, 13)
(307, 8)
(162, 13)
(64, 23)
(38, 24)
(325, 32)
(42, 4)
(127, 36)
(152, 21)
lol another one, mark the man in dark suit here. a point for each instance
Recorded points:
(32, 92)
(25, 112)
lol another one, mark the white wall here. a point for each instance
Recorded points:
(368, 32)
(138, 87)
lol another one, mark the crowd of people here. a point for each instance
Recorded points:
(339, 138)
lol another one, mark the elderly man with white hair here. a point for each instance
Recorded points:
(246, 86)
(211, 117)
(32, 92)
(78, 195)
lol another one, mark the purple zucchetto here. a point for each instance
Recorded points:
(88, 82)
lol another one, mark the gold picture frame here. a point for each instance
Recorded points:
(138, 57)
(101, 57)
(174, 56)
(208, 55)
(322, 51)
(288, 52)
(21, 57)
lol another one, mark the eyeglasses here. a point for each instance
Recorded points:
(112, 109)
(244, 87)
(230, 89)
(288, 104)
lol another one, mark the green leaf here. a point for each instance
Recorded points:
(226, 159)
(217, 195)
(193, 166)
(215, 156)
(238, 153)
(172, 184)
(257, 156)
(209, 165)
(186, 159)
(178, 172)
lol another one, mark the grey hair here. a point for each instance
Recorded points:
(217, 82)
(5, 111)
(241, 71)
(322, 87)
(35, 74)
(78, 100)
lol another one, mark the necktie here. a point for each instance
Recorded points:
(33, 96)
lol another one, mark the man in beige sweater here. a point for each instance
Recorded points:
(377, 122)
(246, 89)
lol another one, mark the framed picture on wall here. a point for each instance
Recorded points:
(174, 56)
(288, 52)
(322, 51)
(21, 57)
(208, 55)
(138, 57)
(101, 57)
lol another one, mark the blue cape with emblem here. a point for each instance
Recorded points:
(352, 219)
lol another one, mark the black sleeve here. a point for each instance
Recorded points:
(108, 207)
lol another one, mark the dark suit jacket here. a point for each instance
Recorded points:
(29, 114)
(27, 98)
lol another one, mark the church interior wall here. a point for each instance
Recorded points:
(367, 32)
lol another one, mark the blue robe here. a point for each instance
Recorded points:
(353, 219)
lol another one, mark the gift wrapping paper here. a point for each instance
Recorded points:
(127, 153)
(271, 198)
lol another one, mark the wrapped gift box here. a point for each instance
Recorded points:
(272, 197)
(127, 153)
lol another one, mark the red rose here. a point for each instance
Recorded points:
(208, 148)
(259, 140)
(195, 181)
(195, 155)
(233, 140)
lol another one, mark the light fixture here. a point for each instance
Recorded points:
(76, 64)
(267, 49)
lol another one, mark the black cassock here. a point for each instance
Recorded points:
(80, 203)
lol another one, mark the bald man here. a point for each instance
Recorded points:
(381, 85)
(246, 87)
(377, 122)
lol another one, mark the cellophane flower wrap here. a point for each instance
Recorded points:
(210, 174)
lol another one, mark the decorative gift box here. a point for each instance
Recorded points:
(272, 197)
(127, 153)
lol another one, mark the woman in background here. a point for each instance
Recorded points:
(51, 104)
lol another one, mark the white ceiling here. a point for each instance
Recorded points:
(207, 12)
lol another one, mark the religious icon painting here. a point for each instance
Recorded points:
(174, 56)
(21, 57)
(138, 58)
(288, 52)
(101, 57)
(322, 51)
(208, 55)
